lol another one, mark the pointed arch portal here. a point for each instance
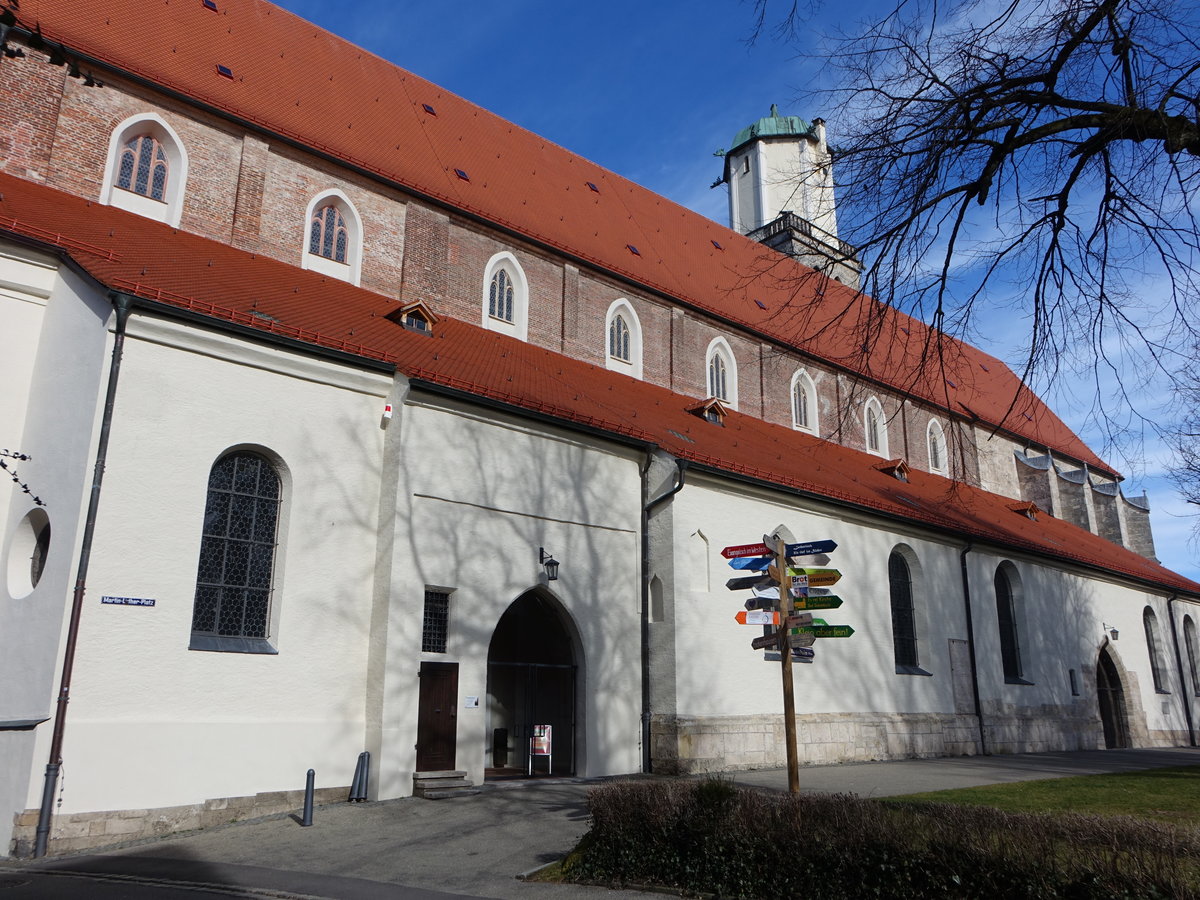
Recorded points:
(1112, 703)
(532, 665)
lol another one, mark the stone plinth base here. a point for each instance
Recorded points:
(72, 832)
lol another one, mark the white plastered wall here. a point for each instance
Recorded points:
(718, 672)
(479, 493)
(155, 724)
(54, 360)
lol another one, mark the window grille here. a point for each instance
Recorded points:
(436, 625)
(143, 168)
(1010, 648)
(500, 296)
(937, 456)
(904, 624)
(237, 550)
(327, 235)
(618, 339)
(800, 405)
(716, 378)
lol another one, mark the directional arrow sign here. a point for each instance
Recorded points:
(817, 603)
(801, 640)
(759, 617)
(751, 563)
(770, 592)
(808, 548)
(825, 631)
(804, 653)
(818, 577)
(747, 581)
(746, 550)
(796, 621)
(765, 642)
(762, 603)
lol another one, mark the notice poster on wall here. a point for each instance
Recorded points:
(541, 741)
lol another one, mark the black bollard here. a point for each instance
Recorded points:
(308, 798)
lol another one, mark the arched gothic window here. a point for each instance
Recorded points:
(1006, 616)
(500, 296)
(721, 372)
(1154, 646)
(1189, 641)
(143, 168)
(904, 624)
(875, 428)
(146, 169)
(804, 403)
(327, 235)
(936, 440)
(232, 606)
(618, 338)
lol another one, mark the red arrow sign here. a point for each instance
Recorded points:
(758, 617)
(746, 550)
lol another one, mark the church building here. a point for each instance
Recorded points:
(342, 415)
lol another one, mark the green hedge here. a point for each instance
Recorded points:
(711, 837)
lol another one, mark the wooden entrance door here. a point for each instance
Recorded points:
(437, 733)
(1112, 702)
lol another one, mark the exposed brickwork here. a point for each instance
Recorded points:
(30, 89)
(247, 209)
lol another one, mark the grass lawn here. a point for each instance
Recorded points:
(1165, 795)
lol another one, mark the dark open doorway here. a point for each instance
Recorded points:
(531, 682)
(1112, 702)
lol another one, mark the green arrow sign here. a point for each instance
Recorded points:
(825, 631)
(817, 603)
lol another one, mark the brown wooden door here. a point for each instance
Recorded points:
(436, 717)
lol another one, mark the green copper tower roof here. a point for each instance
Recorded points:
(773, 125)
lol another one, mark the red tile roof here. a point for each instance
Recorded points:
(298, 81)
(182, 270)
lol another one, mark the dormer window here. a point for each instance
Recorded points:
(414, 316)
(710, 410)
(897, 468)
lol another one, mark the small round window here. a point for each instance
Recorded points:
(28, 553)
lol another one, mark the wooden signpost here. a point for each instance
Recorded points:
(784, 589)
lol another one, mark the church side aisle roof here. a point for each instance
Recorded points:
(328, 95)
(187, 272)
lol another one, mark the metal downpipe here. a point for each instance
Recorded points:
(966, 584)
(123, 304)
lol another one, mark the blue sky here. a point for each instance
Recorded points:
(650, 90)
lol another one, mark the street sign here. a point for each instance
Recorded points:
(746, 550)
(818, 577)
(747, 581)
(766, 641)
(805, 653)
(810, 602)
(825, 631)
(796, 621)
(762, 603)
(751, 563)
(808, 548)
(758, 617)
(770, 592)
(801, 640)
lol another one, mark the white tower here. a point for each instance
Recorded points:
(780, 181)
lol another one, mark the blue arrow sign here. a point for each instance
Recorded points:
(803, 653)
(810, 548)
(752, 563)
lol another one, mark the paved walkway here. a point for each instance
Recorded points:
(473, 847)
